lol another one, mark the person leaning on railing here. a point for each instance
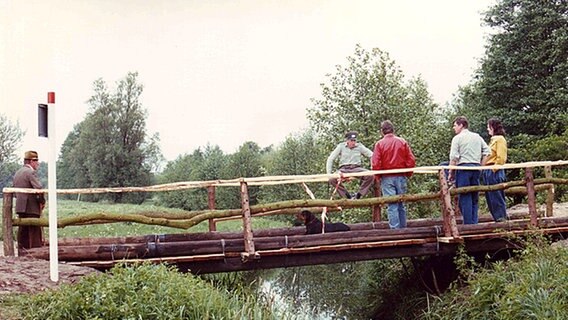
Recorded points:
(468, 150)
(498, 146)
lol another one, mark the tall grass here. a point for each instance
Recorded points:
(143, 292)
(534, 285)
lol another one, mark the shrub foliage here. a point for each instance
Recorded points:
(531, 286)
(142, 292)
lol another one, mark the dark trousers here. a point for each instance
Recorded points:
(495, 199)
(366, 181)
(29, 236)
(468, 202)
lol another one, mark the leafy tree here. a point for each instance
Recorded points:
(523, 75)
(213, 168)
(245, 163)
(370, 89)
(299, 154)
(109, 148)
(184, 168)
(205, 165)
(522, 80)
(72, 171)
(154, 158)
(10, 137)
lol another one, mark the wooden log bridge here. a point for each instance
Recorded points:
(213, 251)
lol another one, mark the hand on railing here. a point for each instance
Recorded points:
(343, 178)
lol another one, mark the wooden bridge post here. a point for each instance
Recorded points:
(247, 227)
(450, 227)
(531, 197)
(7, 227)
(549, 193)
(377, 193)
(211, 204)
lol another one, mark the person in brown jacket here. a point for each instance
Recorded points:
(29, 205)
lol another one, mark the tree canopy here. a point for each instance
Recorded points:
(523, 75)
(371, 88)
(10, 137)
(109, 148)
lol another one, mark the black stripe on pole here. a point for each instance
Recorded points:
(42, 120)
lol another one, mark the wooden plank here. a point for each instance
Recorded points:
(343, 247)
(377, 194)
(493, 226)
(211, 205)
(450, 226)
(231, 261)
(247, 224)
(75, 241)
(553, 222)
(450, 240)
(531, 197)
(195, 236)
(315, 258)
(497, 235)
(109, 264)
(549, 193)
(7, 227)
(91, 251)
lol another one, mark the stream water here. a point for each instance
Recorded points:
(297, 308)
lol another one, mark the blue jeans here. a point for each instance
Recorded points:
(495, 199)
(468, 202)
(391, 186)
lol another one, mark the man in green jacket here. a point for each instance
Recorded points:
(349, 154)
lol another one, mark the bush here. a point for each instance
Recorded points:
(142, 292)
(532, 286)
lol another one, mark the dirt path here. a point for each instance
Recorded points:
(25, 274)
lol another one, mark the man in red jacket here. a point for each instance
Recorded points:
(392, 152)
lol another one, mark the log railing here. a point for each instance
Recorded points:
(528, 186)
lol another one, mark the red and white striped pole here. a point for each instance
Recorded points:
(52, 189)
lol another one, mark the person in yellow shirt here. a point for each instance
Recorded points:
(498, 146)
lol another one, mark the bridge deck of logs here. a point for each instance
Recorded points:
(213, 251)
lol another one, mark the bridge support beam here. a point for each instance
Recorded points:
(247, 223)
(211, 205)
(450, 227)
(377, 194)
(531, 197)
(7, 227)
(549, 193)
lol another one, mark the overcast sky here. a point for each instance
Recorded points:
(220, 72)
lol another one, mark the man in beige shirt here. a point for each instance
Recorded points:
(349, 154)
